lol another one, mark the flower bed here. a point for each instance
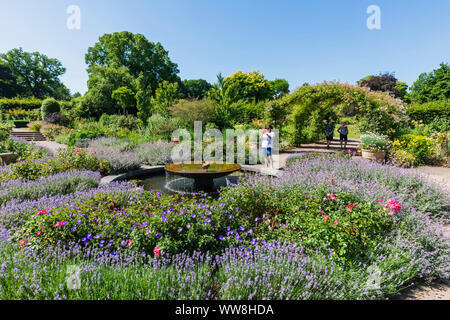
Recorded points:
(320, 231)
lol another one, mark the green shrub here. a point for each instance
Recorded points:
(402, 158)
(430, 111)
(49, 106)
(23, 103)
(342, 222)
(67, 159)
(22, 150)
(5, 130)
(160, 128)
(35, 125)
(51, 131)
(419, 146)
(193, 110)
(117, 122)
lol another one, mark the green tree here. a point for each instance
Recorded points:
(36, 74)
(386, 82)
(8, 82)
(432, 86)
(251, 86)
(194, 89)
(103, 81)
(136, 53)
(166, 96)
(280, 87)
(125, 98)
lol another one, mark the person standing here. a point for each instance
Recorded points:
(343, 134)
(267, 145)
(329, 132)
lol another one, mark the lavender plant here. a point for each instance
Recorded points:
(154, 153)
(57, 184)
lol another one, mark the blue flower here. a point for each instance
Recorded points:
(220, 237)
(188, 226)
(180, 229)
(163, 218)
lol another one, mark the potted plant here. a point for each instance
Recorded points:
(374, 146)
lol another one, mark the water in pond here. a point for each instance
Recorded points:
(172, 184)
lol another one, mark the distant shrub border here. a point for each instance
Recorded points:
(428, 112)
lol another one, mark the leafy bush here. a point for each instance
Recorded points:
(402, 158)
(428, 112)
(115, 153)
(193, 110)
(51, 131)
(5, 130)
(374, 142)
(154, 153)
(23, 103)
(49, 105)
(22, 149)
(68, 159)
(160, 128)
(116, 122)
(35, 125)
(17, 114)
(55, 118)
(419, 146)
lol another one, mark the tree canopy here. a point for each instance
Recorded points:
(432, 86)
(386, 82)
(194, 89)
(136, 53)
(32, 74)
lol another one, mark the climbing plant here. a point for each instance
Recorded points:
(310, 107)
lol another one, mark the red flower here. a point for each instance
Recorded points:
(354, 230)
(350, 207)
(335, 223)
(130, 242)
(60, 223)
(42, 212)
(157, 251)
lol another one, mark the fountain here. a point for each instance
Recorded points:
(203, 174)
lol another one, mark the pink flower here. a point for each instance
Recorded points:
(157, 251)
(335, 223)
(130, 242)
(42, 212)
(60, 223)
(24, 242)
(350, 207)
(322, 213)
(38, 233)
(324, 199)
(393, 207)
(380, 200)
(333, 197)
(325, 218)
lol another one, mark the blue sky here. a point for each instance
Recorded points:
(301, 41)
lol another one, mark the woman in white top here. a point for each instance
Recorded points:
(267, 144)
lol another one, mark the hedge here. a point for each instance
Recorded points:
(429, 111)
(26, 103)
